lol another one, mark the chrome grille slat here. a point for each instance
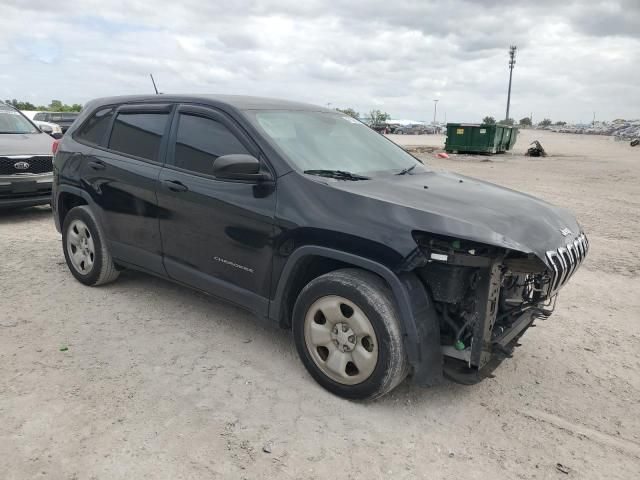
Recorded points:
(566, 266)
(556, 271)
(565, 261)
(576, 242)
(573, 261)
(576, 245)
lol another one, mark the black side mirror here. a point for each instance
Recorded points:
(238, 166)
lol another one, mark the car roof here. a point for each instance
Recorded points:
(239, 102)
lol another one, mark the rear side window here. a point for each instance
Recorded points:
(200, 141)
(138, 134)
(94, 129)
(64, 117)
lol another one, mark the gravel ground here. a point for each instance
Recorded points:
(146, 379)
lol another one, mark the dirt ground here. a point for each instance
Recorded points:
(160, 382)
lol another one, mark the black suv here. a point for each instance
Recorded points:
(382, 267)
(64, 119)
(25, 161)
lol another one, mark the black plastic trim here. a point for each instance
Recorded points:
(64, 188)
(214, 286)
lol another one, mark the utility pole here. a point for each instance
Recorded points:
(593, 122)
(435, 110)
(512, 63)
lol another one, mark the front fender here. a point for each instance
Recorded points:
(419, 320)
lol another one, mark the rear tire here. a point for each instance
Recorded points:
(348, 335)
(85, 248)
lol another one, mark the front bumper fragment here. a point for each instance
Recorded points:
(25, 190)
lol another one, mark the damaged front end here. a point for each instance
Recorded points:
(486, 297)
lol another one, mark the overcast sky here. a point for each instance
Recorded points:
(573, 58)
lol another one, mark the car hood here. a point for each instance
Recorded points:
(466, 208)
(25, 144)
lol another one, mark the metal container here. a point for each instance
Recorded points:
(479, 138)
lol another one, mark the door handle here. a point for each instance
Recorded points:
(175, 185)
(97, 165)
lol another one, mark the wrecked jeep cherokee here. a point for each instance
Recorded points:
(381, 267)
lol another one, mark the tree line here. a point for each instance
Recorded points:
(524, 122)
(376, 117)
(54, 106)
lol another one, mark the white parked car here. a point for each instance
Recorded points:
(52, 129)
(56, 130)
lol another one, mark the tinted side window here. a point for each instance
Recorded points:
(200, 141)
(138, 134)
(94, 129)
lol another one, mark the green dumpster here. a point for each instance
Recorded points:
(505, 136)
(509, 136)
(478, 138)
(514, 137)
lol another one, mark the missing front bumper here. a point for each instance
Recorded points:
(457, 366)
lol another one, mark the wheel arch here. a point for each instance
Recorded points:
(66, 198)
(419, 321)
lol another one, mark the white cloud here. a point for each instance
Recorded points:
(574, 58)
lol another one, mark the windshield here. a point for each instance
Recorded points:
(328, 141)
(11, 121)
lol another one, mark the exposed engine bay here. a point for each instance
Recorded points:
(487, 297)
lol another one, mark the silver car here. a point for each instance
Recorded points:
(25, 161)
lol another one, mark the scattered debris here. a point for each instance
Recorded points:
(64, 348)
(267, 447)
(442, 155)
(635, 142)
(563, 468)
(421, 148)
(536, 151)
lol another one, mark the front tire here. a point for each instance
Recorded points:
(348, 335)
(85, 248)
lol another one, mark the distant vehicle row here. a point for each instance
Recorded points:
(413, 129)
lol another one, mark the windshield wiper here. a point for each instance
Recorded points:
(339, 174)
(404, 171)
